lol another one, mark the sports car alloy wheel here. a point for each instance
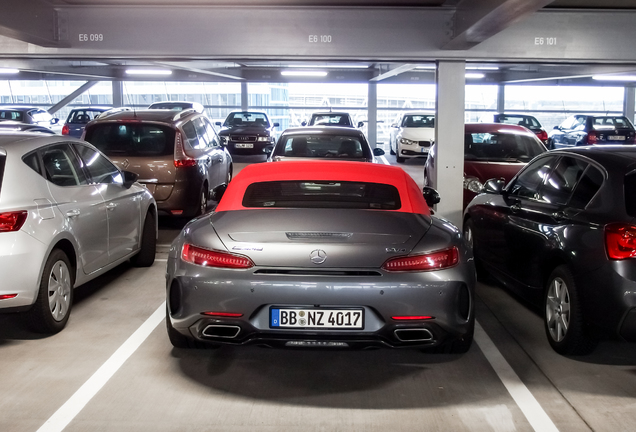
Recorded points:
(557, 309)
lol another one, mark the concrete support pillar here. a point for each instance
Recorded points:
(372, 114)
(244, 96)
(118, 94)
(501, 98)
(448, 172)
(628, 102)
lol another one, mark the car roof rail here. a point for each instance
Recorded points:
(184, 112)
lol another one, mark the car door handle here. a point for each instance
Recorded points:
(73, 213)
(111, 206)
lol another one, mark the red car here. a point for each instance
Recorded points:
(491, 150)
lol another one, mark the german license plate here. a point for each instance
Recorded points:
(244, 145)
(316, 318)
(616, 138)
(423, 150)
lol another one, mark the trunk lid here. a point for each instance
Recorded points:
(347, 238)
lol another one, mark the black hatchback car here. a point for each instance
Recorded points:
(248, 133)
(581, 130)
(562, 235)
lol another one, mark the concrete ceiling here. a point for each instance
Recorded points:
(389, 41)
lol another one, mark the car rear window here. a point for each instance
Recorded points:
(501, 147)
(330, 119)
(319, 194)
(525, 121)
(82, 116)
(611, 122)
(11, 115)
(322, 146)
(132, 139)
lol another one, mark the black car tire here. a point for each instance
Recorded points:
(563, 318)
(399, 159)
(549, 144)
(391, 149)
(59, 276)
(180, 341)
(146, 255)
(202, 205)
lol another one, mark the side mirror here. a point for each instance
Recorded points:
(304, 123)
(430, 196)
(217, 192)
(378, 152)
(360, 124)
(494, 186)
(218, 123)
(276, 124)
(129, 178)
(557, 127)
(55, 120)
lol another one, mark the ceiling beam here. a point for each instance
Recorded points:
(184, 66)
(34, 21)
(477, 20)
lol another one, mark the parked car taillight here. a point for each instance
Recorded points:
(65, 130)
(542, 135)
(180, 158)
(433, 261)
(209, 258)
(12, 221)
(592, 138)
(620, 241)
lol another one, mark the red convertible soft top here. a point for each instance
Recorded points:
(411, 196)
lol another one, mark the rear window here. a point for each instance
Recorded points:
(316, 194)
(82, 116)
(525, 121)
(11, 115)
(322, 146)
(611, 122)
(330, 119)
(501, 147)
(132, 139)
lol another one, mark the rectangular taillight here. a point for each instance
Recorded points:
(12, 221)
(620, 241)
(592, 137)
(432, 261)
(214, 258)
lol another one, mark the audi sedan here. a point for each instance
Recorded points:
(321, 254)
(67, 215)
(562, 235)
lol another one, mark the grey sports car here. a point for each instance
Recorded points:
(321, 254)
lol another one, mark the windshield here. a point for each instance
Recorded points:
(322, 146)
(413, 120)
(330, 120)
(319, 194)
(242, 119)
(506, 147)
(131, 139)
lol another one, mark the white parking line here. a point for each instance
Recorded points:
(385, 161)
(67, 412)
(537, 417)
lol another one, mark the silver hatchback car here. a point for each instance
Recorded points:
(67, 215)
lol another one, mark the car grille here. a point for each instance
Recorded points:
(243, 138)
(424, 143)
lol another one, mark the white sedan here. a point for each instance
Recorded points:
(413, 135)
(67, 215)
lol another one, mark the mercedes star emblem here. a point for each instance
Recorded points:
(318, 256)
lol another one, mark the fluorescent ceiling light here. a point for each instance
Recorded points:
(330, 66)
(148, 72)
(9, 71)
(475, 75)
(304, 73)
(614, 77)
(432, 67)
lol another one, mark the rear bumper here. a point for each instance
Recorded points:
(446, 296)
(21, 258)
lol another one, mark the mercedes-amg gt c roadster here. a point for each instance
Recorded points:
(321, 254)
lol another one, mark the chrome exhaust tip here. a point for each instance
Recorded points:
(221, 331)
(413, 335)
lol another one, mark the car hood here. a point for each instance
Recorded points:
(286, 237)
(244, 130)
(418, 134)
(485, 170)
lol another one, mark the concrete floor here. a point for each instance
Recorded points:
(160, 388)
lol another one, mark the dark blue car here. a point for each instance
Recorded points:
(78, 118)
